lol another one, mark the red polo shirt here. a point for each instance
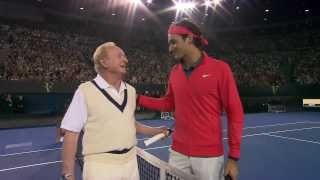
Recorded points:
(198, 101)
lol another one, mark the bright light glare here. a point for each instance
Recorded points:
(207, 3)
(182, 6)
(217, 2)
(136, 1)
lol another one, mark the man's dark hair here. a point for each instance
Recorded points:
(194, 29)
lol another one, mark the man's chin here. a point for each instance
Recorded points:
(176, 57)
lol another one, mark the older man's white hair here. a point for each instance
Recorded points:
(100, 53)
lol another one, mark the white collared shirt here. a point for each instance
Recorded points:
(76, 115)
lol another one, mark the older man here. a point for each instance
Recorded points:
(104, 108)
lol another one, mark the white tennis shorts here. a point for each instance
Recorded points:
(211, 168)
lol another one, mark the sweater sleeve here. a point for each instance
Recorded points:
(233, 107)
(165, 103)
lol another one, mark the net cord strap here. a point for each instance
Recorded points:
(165, 169)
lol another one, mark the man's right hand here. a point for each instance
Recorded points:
(67, 176)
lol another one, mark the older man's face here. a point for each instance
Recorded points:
(117, 60)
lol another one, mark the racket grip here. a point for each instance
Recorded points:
(227, 177)
(154, 139)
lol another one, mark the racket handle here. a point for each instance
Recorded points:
(154, 139)
(227, 177)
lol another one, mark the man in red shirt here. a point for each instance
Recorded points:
(199, 89)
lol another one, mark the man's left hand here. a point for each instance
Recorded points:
(232, 169)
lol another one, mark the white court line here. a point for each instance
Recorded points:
(42, 150)
(28, 152)
(142, 139)
(269, 125)
(17, 145)
(295, 139)
(31, 165)
(146, 149)
(54, 162)
(278, 124)
(249, 127)
(267, 133)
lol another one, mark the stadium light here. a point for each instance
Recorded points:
(135, 1)
(207, 3)
(217, 2)
(212, 3)
(183, 6)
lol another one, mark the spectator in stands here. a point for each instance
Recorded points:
(104, 109)
(199, 88)
(7, 104)
(18, 104)
(51, 56)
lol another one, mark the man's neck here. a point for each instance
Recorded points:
(192, 57)
(112, 79)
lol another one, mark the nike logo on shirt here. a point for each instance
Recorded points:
(206, 75)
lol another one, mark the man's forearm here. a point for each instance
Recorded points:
(69, 151)
(150, 131)
(157, 104)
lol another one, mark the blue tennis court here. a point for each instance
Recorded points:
(275, 146)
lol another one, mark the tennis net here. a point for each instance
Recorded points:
(152, 168)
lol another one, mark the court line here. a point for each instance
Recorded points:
(17, 145)
(295, 139)
(142, 139)
(28, 152)
(266, 133)
(54, 162)
(146, 149)
(278, 124)
(250, 127)
(30, 165)
(269, 125)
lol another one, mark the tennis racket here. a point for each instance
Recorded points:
(159, 136)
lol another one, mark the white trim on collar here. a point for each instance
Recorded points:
(105, 85)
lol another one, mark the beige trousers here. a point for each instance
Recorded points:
(108, 166)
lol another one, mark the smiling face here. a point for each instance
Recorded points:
(179, 47)
(175, 43)
(116, 61)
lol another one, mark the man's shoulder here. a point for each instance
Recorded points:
(175, 67)
(217, 62)
(130, 87)
(85, 84)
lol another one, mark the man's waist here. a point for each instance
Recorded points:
(123, 151)
(197, 150)
(90, 149)
(114, 156)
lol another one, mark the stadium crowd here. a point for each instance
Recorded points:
(32, 52)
